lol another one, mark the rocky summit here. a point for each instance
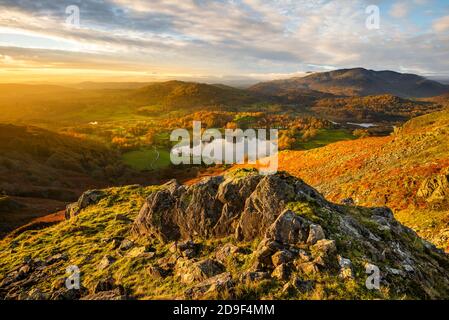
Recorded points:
(236, 236)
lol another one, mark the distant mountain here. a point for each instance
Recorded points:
(179, 94)
(357, 82)
(110, 85)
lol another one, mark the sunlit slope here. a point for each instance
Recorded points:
(283, 241)
(405, 171)
(41, 103)
(179, 94)
(41, 170)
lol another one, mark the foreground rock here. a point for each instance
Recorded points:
(218, 206)
(238, 236)
(301, 234)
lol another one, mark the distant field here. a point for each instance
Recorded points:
(147, 159)
(325, 137)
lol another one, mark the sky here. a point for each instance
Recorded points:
(217, 41)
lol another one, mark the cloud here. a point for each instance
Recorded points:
(219, 38)
(442, 24)
(399, 10)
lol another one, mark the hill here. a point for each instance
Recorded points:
(407, 171)
(383, 108)
(58, 105)
(238, 236)
(52, 106)
(41, 171)
(178, 94)
(288, 94)
(357, 82)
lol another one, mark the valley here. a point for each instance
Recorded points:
(361, 150)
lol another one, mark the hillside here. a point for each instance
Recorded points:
(407, 171)
(383, 108)
(41, 170)
(239, 236)
(288, 94)
(58, 105)
(357, 82)
(178, 94)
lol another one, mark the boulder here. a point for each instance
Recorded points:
(87, 199)
(435, 189)
(253, 276)
(189, 272)
(37, 294)
(104, 285)
(199, 209)
(213, 287)
(316, 233)
(233, 193)
(325, 253)
(296, 284)
(105, 262)
(158, 216)
(188, 249)
(263, 206)
(140, 252)
(282, 257)
(69, 294)
(288, 228)
(156, 272)
(308, 268)
(282, 272)
(226, 251)
(220, 206)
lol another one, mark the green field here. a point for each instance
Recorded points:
(324, 137)
(147, 159)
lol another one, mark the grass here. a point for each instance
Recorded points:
(87, 238)
(82, 239)
(147, 159)
(325, 137)
(429, 224)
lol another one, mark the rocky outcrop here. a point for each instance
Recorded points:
(301, 235)
(435, 189)
(189, 271)
(88, 198)
(244, 204)
(241, 236)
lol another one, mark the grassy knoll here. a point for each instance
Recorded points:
(325, 137)
(147, 159)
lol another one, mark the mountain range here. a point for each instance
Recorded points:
(101, 102)
(355, 82)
